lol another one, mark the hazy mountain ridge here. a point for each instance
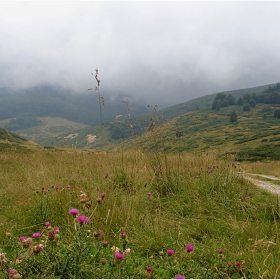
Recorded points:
(200, 126)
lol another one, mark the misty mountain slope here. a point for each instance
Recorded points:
(55, 101)
(251, 137)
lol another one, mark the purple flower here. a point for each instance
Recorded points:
(119, 256)
(105, 175)
(149, 269)
(68, 187)
(180, 277)
(36, 235)
(220, 251)
(189, 248)
(149, 194)
(170, 252)
(123, 235)
(47, 224)
(22, 238)
(105, 243)
(73, 211)
(56, 187)
(102, 195)
(56, 229)
(82, 219)
(237, 264)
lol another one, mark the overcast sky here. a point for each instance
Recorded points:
(162, 52)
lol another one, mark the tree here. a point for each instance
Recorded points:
(239, 101)
(252, 102)
(233, 117)
(246, 107)
(277, 114)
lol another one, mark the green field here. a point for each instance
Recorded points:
(162, 202)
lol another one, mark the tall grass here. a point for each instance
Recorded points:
(160, 201)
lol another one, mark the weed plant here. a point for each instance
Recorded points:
(80, 214)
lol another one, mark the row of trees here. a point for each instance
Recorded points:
(270, 96)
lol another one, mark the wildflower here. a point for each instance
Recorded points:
(102, 195)
(180, 276)
(98, 234)
(237, 264)
(73, 211)
(105, 175)
(22, 238)
(56, 229)
(105, 243)
(119, 256)
(88, 204)
(189, 248)
(149, 269)
(115, 249)
(19, 259)
(220, 251)
(83, 197)
(170, 252)
(82, 219)
(47, 224)
(68, 187)
(38, 248)
(103, 260)
(27, 242)
(36, 235)
(149, 194)
(56, 187)
(127, 251)
(123, 235)
(13, 274)
(3, 259)
(52, 234)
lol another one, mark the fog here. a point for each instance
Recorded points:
(160, 53)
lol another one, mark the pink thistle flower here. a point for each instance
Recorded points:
(36, 235)
(22, 238)
(68, 187)
(105, 175)
(102, 195)
(149, 269)
(170, 252)
(119, 256)
(52, 234)
(149, 194)
(56, 187)
(103, 260)
(56, 229)
(189, 248)
(220, 251)
(83, 219)
(180, 277)
(73, 211)
(237, 264)
(47, 224)
(13, 274)
(123, 235)
(27, 242)
(105, 243)
(38, 248)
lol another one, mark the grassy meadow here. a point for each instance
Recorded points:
(70, 213)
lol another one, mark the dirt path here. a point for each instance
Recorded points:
(273, 188)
